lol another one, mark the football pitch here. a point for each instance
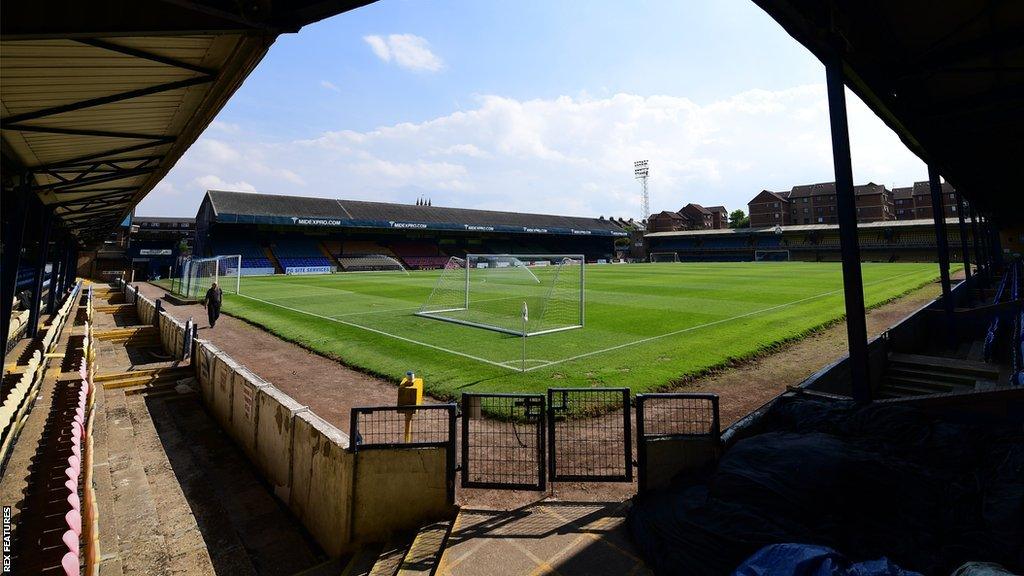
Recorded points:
(646, 325)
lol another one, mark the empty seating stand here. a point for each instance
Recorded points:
(419, 255)
(254, 261)
(299, 251)
(55, 527)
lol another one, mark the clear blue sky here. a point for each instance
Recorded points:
(531, 106)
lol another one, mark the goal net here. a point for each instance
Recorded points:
(771, 255)
(198, 274)
(664, 257)
(370, 263)
(496, 291)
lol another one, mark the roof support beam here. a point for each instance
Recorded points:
(65, 186)
(135, 52)
(853, 286)
(98, 155)
(83, 132)
(104, 198)
(92, 102)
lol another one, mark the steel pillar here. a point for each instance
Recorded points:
(51, 299)
(70, 266)
(976, 237)
(963, 238)
(853, 287)
(45, 225)
(939, 218)
(15, 208)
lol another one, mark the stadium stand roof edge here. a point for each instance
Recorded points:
(951, 90)
(277, 209)
(101, 98)
(803, 228)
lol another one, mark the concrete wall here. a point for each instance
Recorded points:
(275, 423)
(307, 460)
(398, 489)
(321, 482)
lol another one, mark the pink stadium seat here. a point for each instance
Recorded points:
(72, 474)
(70, 564)
(76, 464)
(74, 520)
(71, 541)
(71, 485)
(75, 502)
(76, 449)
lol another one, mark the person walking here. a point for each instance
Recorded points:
(212, 303)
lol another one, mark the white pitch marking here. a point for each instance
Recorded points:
(706, 324)
(383, 333)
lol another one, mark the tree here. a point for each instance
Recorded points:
(738, 219)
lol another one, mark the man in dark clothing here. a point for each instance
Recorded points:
(212, 303)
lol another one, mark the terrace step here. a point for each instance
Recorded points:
(362, 561)
(424, 554)
(950, 378)
(390, 559)
(967, 367)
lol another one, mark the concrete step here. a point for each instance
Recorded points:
(934, 375)
(925, 384)
(363, 560)
(109, 376)
(424, 554)
(390, 559)
(967, 367)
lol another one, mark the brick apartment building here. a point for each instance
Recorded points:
(816, 204)
(689, 217)
(922, 198)
(769, 209)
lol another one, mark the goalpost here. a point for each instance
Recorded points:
(519, 294)
(771, 255)
(664, 257)
(198, 274)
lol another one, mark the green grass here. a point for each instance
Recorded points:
(647, 325)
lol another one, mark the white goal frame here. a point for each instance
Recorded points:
(189, 283)
(527, 261)
(650, 257)
(758, 255)
(341, 267)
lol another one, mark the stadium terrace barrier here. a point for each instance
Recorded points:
(343, 494)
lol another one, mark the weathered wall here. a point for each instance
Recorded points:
(398, 489)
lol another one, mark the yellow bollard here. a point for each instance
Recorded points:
(410, 393)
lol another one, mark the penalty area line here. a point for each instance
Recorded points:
(706, 324)
(383, 333)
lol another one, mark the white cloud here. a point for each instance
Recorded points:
(214, 182)
(562, 155)
(330, 85)
(406, 50)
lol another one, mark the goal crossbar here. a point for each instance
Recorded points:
(490, 291)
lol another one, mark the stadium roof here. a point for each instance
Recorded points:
(805, 228)
(947, 77)
(250, 208)
(101, 98)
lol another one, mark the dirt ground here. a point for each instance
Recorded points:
(332, 389)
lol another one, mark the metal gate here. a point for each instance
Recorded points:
(503, 441)
(590, 436)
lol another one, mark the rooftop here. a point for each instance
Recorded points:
(275, 209)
